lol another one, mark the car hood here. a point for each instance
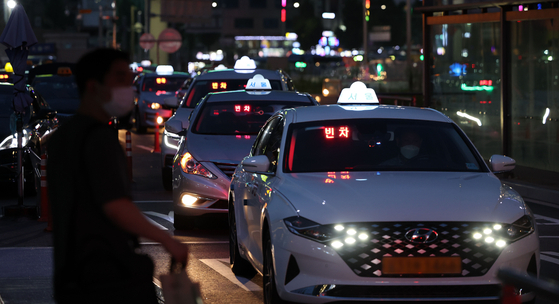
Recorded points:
(401, 196)
(221, 148)
(156, 96)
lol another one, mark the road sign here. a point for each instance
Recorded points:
(170, 40)
(147, 41)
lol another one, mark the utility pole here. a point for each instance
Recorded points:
(100, 39)
(408, 42)
(365, 59)
(114, 23)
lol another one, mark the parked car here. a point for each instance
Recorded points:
(219, 80)
(60, 91)
(223, 128)
(366, 202)
(38, 121)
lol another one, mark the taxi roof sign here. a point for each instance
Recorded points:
(245, 63)
(358, 93)
(164, 69)
(220, 67)
(258, 83)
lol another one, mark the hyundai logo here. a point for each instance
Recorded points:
(421, 235)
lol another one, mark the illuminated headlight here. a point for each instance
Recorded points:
(191, 166)
(10, 142)
(171, 140)
(334, 235)
(502, 234)
(154, 106)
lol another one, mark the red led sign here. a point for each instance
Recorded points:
(241, 108)
(340, 132)
(219, 85)
(486, 82)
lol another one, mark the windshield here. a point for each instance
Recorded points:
(242, 118)
(203, 87)
(163, 83)
(61, 93)
(378, 145)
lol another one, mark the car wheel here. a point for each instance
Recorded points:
(271, 295)
(239, 265)
(183, 222)
(138, 123)
(166, 178)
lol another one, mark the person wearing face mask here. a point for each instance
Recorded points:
(409, 144)
(96, 225)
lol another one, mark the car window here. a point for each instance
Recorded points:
(60, 92)
(242, 118)
(202, 87)
(379, 145)
(269, 142)
(162, 83)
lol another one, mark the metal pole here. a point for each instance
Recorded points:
(408, 42)
(427, 60)
(365, 60)
(100, 39)
(505, 82)
(20, 177)
(132, 32)
(114, 24)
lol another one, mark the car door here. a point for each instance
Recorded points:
(259, 185)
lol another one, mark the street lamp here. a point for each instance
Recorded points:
(11, 4)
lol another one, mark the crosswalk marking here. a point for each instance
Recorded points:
(219, 266)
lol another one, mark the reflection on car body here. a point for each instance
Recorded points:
(330, 206)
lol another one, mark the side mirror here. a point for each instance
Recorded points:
(174, 126)
(171, 102)
(259, 163)
(501, 163)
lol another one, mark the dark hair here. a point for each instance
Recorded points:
(95, 65)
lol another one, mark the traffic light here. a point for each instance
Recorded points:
(367, 7)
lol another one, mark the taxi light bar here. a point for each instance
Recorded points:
(245, 63)
(358, 93)
(258, 82)
(164, 69)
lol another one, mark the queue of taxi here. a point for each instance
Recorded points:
(220, 79)
(367, 202)
(222, 127)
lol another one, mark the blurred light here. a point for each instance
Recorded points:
(351, 232)
(214, 4)
(11, 4)
(469, 117)
(159, 120)
(520, 8)
(367, 4)
(501, 243)
(383, 7)
(421, 57)
(489, 240)
(296, 5)
(477, 236)
(497, 227)
(283, 15)
(325, 92)
(487, 231)
(337, 244)
(363, 236)
(328, 15)
(327, 33)
(545, 116)
(8, 67)
(546, 52)
(550, 58)
(283, 3)
(350, 240)
(339, 227)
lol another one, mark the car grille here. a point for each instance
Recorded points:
(388, 240)
(226, 168)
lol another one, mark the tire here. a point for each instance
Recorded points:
(183, 222)
(271, 295)
(138, 123)
(167, 178)
(239, 265)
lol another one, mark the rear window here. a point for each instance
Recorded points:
(203, 87)
(60, 92)
(242, 118)
(162, 83)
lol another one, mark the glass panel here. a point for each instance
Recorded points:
(466, 80)
(535, 93)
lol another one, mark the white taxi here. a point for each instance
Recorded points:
(354, 202)
(222, 129)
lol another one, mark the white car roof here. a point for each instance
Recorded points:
(333, 112)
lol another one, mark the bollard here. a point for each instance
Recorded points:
(156, 143)
(414, 101)
(129, 153)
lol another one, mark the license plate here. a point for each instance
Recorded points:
(421, 265)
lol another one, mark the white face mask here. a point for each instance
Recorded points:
(122, 102)
(409, 151)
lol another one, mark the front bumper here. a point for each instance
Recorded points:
(211, 193)
(324, 275)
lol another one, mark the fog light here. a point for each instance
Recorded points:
(351, 232)
(350, 240)
(188, 200)
(339, 227)
(497, 227)
(501, 243)
(477, 236)
(337, 244)
(363, 236)
(159, 120)
(487, 231)
(489, 240)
